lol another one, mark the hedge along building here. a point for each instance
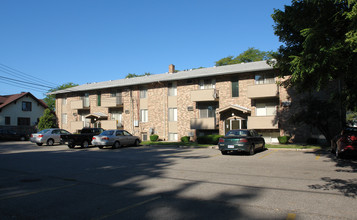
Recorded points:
(186, 103)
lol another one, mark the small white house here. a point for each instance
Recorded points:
(20, 110)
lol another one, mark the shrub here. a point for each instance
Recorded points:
(209, 139)
(185, 139)
(283, 139)
(154, 137)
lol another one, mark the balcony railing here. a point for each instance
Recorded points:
(203, 123)
(262, 122)
(263, 91)
(202, 95)
(80, 104)
(112, 102)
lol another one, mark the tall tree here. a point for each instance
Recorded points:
(50, 100)
(48, 120)
(250, 55)
(320, 41)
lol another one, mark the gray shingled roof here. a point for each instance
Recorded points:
(164, 77)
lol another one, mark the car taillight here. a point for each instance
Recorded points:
(93, 138)
(40, 136)
(353, 138)
(31, 135)
(243, 140)
(105, 138)
(221, 140)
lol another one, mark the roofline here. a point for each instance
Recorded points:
(168, 77)
(22, 95)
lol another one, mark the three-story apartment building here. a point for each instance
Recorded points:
(185, 103)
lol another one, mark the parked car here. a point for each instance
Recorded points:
(48, 136)
(241, 140)
(115, 139)
(10, 135)
(345, 142)
(84, 138)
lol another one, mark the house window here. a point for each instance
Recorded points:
(172, 89)
(23, 121)
(264, 78)
(7, 120)
(143, 115)
(143, 93)
(117, 116)
(64, 101)
(64, 118)
(207, 83)
(172, 114)
(99, 99)
(265, 109)
(235, 87)
(207, 112)
(115, 93)
(86, 100)
(26, 106)
(173, 136)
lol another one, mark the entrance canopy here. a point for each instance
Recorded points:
(235, 107)
(97, 115)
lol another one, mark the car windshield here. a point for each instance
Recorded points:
(44, 131)
(110, 132)
(237, 133)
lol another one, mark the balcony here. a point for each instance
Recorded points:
(112, 102)
(80, 104)
(263, 91)
(110, 124)
(203, 123)
(202, 95)
(262, 122)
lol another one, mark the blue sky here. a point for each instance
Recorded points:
(81, 41)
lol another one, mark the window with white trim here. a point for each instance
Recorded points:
(64, 118)
(172, 114)
(144, 115)
(172, 89)
(264, 78)
(143, 93)
(265, 109)
(207, 83)
(173, 137)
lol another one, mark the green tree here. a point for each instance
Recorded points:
(50, 100)
(48, 120)
(320, 41)
(250, 55)
(132, 75)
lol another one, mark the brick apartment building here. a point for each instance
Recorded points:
(186, 103)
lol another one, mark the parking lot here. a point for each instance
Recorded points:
(173, 183)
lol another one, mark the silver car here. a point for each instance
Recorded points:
(48, 136)
(115, 139)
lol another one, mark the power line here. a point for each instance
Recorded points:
(20, 81)
(24, 87)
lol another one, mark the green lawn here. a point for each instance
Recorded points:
(292, 146)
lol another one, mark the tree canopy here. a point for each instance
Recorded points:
(132, 75)
(48, 120)
(320, 45)
(250, 55)
(50, 100)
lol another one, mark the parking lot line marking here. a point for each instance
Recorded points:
(118, 211)
(291, 216)
(35, 192)
(317, 157)
(267, 154)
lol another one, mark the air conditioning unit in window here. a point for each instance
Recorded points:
(136, 123)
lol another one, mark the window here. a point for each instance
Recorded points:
(26, 106)
(207, 83)
(144, 115)
(99, 99)
(265, 109)
(235, 87)
(264, 78)
(64, 118)
(143, 93)
(172, 114)
(64, 101)
(173, 137)
(208, 112)
(115, 93)
(7, 120)
(144, 136)
(23, 121)
(172, 89)
(86, 100)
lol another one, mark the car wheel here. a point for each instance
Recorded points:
(85, 144)
(116, 145)
(223, 152)
(251, 150)
(39, 144)
(50, 142)
(137, 142)
(70, 145)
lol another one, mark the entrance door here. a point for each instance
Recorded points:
(232, 124)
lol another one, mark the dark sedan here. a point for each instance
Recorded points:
(345, 143)
(242, 140)
(10, 135)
